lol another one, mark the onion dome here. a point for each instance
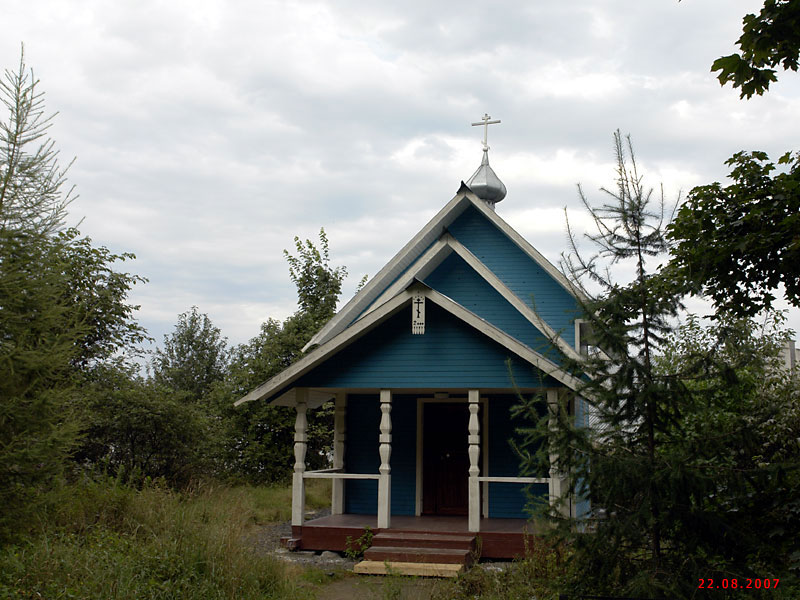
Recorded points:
(485, 183)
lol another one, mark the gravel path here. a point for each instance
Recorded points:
(266, 540)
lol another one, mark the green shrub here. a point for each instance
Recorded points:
(106, 540)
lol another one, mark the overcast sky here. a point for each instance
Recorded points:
(209, 134)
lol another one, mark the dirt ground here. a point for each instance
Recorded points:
(344, 584)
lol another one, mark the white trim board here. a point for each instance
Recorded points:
(395, 267)
(338, 343)
(502, 338)
(413, 249)
(432, 258)
(375, 318)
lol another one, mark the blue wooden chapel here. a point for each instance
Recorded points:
(424, 365)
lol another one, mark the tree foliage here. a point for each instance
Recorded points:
(687, 468)
(769, 39)
(194, 356)
(63, 307)
(137, 428)
(742, 439)
(617, 464)
(318, 285)
(738, 243)
(32, 183)
(260, 438)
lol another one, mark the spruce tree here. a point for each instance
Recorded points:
(62, 305)
(677, 463)
(616, 464)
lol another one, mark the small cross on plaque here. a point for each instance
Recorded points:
(418, 313)
(486, 121)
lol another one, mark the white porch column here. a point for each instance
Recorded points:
(385, 449)
(474, 440)
(556, 488)
(339, 439)
(300, 446)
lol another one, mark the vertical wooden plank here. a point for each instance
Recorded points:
(418, 491)
(339, 441)
(385, 450)
(474, 439)
(300, 447)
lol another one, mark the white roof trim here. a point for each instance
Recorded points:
(394, 268)
(526, 247)
(314, 397)
(310, 361)
(438, 252)
(363, 325)
(515, 301)
(375, 292)
(423, 267)
(502, 338)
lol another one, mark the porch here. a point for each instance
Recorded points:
(497, 539)
(443, 468)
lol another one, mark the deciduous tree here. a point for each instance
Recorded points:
(260, 438)
(738, 243)
(769, 39)
(194, 356)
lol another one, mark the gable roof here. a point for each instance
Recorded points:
(391, 290)
(280, 384)
(425, 251)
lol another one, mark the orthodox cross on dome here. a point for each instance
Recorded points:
(486, 121)
(485, 183)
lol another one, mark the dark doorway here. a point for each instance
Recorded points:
(445, 460)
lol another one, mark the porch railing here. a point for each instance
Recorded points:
(338, 474)
(492, 479)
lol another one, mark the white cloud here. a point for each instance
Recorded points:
(209, 133)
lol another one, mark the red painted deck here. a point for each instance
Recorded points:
(499, 538)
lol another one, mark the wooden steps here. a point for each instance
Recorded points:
(373, 567)
(412, 553)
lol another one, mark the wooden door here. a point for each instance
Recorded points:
(445, 460)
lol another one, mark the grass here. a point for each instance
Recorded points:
(536, 575)
(273, 504)
(106, 540)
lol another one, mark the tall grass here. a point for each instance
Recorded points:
(106, 540)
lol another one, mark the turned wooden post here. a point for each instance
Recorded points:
(300, 447)
(385, 449)
(474, 440)
(339, 440)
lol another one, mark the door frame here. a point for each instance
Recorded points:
(484, 446)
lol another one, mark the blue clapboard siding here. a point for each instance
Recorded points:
(457, 280)
(508, 500)
(451, 354)
(363, 419)
(404, 454)
(361, 453)
(517, 270)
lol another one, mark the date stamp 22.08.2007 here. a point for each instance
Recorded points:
(734, 583)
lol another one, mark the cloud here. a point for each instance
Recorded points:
(208, 134)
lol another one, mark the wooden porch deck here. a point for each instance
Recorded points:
(499, 538)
